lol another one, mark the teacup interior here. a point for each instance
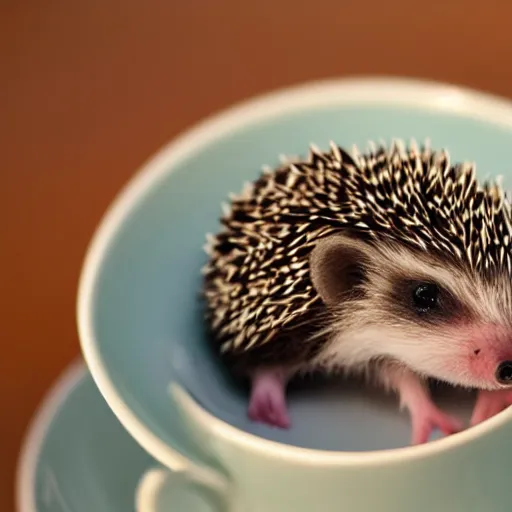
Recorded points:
(148, 318)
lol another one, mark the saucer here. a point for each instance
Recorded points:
(78, 458)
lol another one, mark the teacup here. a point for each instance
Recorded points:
(142, 334)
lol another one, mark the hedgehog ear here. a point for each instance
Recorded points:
(337, 264)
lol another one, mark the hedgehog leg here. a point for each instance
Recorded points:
(268, 401)
(490, 403)
(425, 415)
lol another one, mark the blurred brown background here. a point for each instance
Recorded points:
(89, 90)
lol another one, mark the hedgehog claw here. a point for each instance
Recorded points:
(268, 402)
(490, 403)
(424, 414)
(427, 419)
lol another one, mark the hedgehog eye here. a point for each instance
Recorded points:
(425, 296)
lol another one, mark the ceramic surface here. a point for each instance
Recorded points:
(141, 324)
(78, 458)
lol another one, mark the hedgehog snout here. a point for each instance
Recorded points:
(504, 373)
(491, 355)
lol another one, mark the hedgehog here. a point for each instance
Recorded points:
(391, 263)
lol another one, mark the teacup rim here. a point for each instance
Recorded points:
(377, 90)
(220, 429)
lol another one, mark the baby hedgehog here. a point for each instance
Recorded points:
(394, 263)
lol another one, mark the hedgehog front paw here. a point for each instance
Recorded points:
(268, 402)
(427, 418)
(490, 403)
(424, 414)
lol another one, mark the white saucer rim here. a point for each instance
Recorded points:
(37, 430)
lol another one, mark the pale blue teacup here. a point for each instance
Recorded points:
(142, 334)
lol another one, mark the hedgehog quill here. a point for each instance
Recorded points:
(393, 263)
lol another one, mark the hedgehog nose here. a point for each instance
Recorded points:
(504, 372)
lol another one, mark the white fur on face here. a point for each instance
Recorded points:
(367, 329)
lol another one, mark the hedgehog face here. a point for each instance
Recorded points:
(432, 314)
